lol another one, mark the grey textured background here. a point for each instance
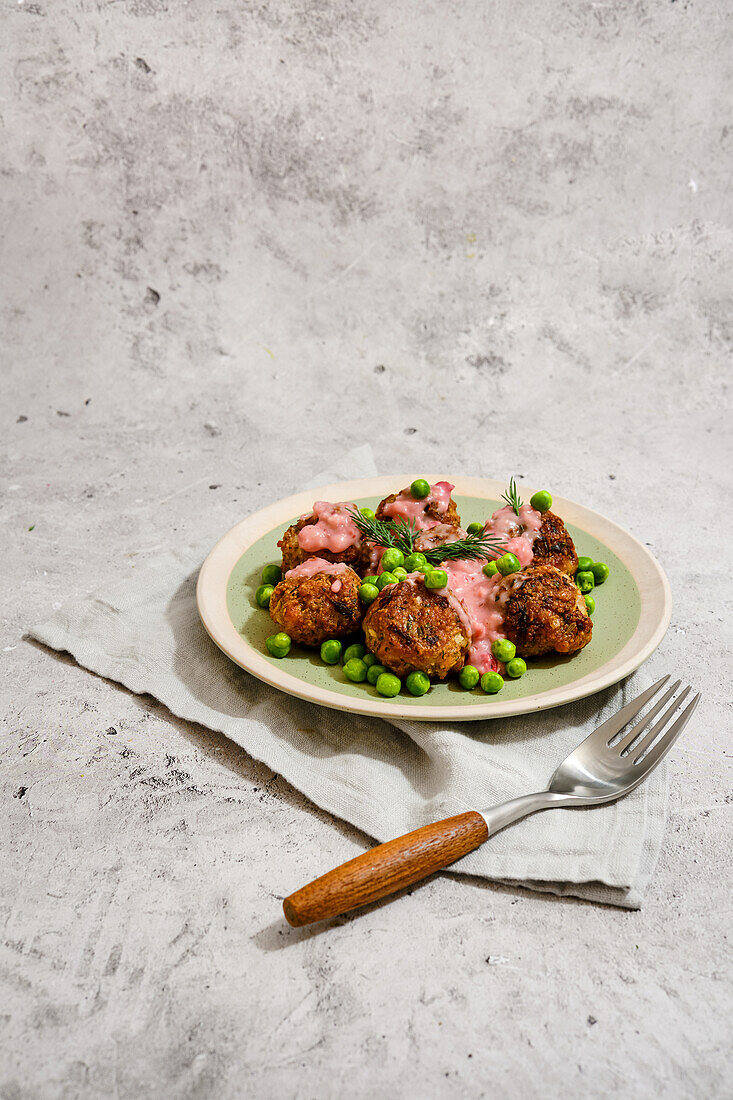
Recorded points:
(236, 239)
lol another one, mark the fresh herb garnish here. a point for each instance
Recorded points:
(511, 496)
(402, 535)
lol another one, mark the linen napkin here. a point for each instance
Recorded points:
(385, 777)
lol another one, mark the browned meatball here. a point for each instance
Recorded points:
(431, 511)
(309, 610)
(410, 627)
(544, 611)
(439, 535)
(356, 556)
(554, 546)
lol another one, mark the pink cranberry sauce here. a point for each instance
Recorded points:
(518, 530)
(404, 506)
(333, 530)
(311, 566)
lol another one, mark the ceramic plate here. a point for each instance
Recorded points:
(632, 611)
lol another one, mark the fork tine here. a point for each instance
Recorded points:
(613, 725)
(636, 750)
(662, 747)
(641, 725)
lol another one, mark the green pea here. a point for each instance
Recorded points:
(414, 561)
(542, 501)
(600, 571)
(331, 651)
(271, 574)
(504, 650)
(436, 578)
(491, 569)
(356, 650)
(367, 513)
(585, 580)
(584, 563)
(370, 659)
(516, 668)
(371, 579)
(590, 604)
(468, 677)
(391, 558)
(420, 488)
(474, 528)
(388, 684)
(385, 579)
(278, 645)
(368, 593)
(262, 595)
(374, 672)
(508, 563)
(355, 670)
(425, 569)
(400, 573)
(417, 683)
(491, 682)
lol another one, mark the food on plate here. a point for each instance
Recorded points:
(410, 628)
(317, 600)
(544, 612)
(431, 598)
(328, 533)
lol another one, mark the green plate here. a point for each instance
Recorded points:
(632, 613)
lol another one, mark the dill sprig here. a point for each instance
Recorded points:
(402, 534)
(511, 496)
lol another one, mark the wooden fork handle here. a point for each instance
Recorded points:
(387, 868)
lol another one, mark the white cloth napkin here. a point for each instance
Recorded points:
(386, 777)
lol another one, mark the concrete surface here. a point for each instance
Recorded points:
(238, 237)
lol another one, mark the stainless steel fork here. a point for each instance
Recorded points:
(608, 764)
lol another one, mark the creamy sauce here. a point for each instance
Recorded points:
(311, 566)
(518, 531)
(333, 530)
(438, 535)
(404, 506)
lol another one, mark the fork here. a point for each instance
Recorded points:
(605, 766)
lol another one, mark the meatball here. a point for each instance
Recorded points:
(554, 546)
(313, 608)
(357, 556)
(438, 535)
(410, 627)
(544, 611)
(431, 508)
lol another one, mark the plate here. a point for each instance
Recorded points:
(632, 613)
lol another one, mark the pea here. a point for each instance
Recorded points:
(504, 650)
(392, 558)
(542, 501)
(436, 578)
(417, 683)
(491, 569)
(468, 677)
(355, 670)
(385, 579)
(425, 569)
(400, 573)
(331, 651)
(491, 682)
(367, 513)
(368, 593)
(278, 645)
(271, 574)
(388, 684)
(420, 488)
(371, 579)
(262, 595)
(516, 668)
(585, 580)
(590, 604)
(355, 650)
(370, 659)
(374, 672)
(584, 563)
(474, 528)
(414, 561)
(600, 571)
(508, 563)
